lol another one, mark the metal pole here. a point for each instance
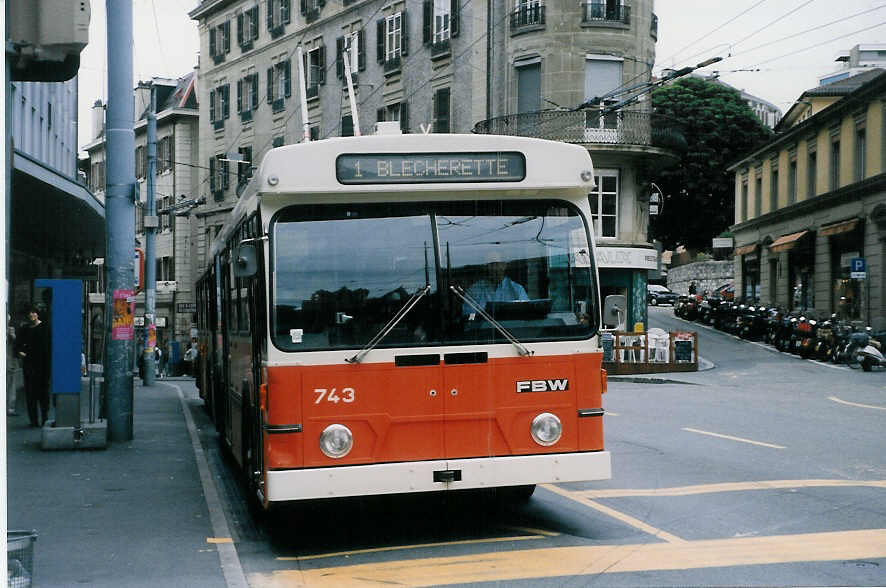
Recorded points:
(150, 251)
(355, 118)
(119, 221)
(306, 124)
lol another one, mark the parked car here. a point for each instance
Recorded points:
(657, 294)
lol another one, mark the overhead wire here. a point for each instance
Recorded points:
(708, 34)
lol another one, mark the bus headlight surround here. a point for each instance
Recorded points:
(546, 429)
(336, 441)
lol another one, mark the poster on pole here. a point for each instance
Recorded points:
(122, 328)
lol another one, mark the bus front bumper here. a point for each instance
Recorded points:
(429, 476)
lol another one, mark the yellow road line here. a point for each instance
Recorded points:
(835, 399)
(731, 487)
(627, 519)
(590, 560)
(219, 540)
(405, 547)
(532, 531)
(731, 438)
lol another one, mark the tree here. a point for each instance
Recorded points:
(699, 193)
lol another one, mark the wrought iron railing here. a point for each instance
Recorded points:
(596, 11)
(589, 126)
(527, 15)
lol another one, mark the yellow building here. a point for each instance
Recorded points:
(813, 199)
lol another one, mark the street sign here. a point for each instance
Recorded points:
(858, 268)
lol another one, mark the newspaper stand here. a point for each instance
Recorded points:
(627, 352)
(20, 558)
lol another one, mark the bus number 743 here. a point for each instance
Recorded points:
(331, 395)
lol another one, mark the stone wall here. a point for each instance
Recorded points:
(708, 275)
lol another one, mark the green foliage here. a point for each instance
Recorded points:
(720, 128)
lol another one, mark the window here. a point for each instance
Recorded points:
(219, 105)
(528, 87)
(773, 189)
(244, 167)
(220, 41)
(279, 84)
(247, 28)
(527, 13)
(442, 120)
(97, 176)
(367, 261)
(758, 195)
(609, 10)
(278, 16)
(812, 174)
(355, 46)
(218, 176)
(315, 70)
(392, 40)
(141, 162)
(835, 164)
(860, 153)
(247, 96)
(165, 156)
(395, 112)
(278, 141)
(310, 9)
(347, 126)
(439, 21)
(744, 202)
(792, 181)
(604, 203)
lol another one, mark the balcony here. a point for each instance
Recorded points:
(528, 16)
(392, 65)
(599, 12)
(626, 128)
(440, 49)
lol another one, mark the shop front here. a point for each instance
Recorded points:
(623, 271)
(846, 242)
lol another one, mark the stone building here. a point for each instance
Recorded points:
(813, 199)
(176, 186)
(440, 66)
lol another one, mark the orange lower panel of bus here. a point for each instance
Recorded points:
(419, 413)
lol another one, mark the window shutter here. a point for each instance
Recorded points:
(454, 9)
(380, 40)
(239, 95)
(287, 78)
(270, 18)
(427, 20)
(339, 60)
(347, 126)
(227, 36)
(270, 85)
(443, 110)
(212, 42)
(303, 7)
(253, 23)
(226, 101)
(284, 11)
(254, 82)
(404, 34)
(404, 117)
(321, 61)
(361, 50)
(212, 106)
(212, 174)
(380, 115)
(240, 29)
(226, 180)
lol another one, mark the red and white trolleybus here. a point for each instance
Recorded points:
(407, 313)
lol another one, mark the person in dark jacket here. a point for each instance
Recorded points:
(34, 350)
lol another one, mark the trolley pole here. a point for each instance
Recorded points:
(119, 222)
(150, 251)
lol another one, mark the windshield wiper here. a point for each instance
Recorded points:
(410, 304)
(460, 292)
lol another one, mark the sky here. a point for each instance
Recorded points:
(773, 49)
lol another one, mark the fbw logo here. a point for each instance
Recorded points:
(542, 385)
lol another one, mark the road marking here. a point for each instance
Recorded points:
(627, 519)
(731, 487)
(219, 540)
(412, 546)
(731, 438)
(835, 399)
(828, 365)
(591, 559)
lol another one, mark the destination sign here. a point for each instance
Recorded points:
(420, 168)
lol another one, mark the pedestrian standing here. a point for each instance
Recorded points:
(692, 288)
(158, 361)
(11, 368)
(34, 350)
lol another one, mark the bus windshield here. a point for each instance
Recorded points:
(341, 272)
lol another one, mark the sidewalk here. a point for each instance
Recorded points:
(133, 514)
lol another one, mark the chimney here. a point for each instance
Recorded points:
(142, 99)
(98, 119)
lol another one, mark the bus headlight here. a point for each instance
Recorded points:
(546, 429)
(336, 441)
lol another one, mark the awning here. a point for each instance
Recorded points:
(745, 249)
(787, 242)
(838, 228)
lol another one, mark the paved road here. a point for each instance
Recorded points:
(766, 470)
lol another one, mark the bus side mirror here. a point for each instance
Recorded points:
(614, 311)
(245, 261)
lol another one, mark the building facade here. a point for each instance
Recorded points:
(812, 200)
(438, 66)
(176, 183)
